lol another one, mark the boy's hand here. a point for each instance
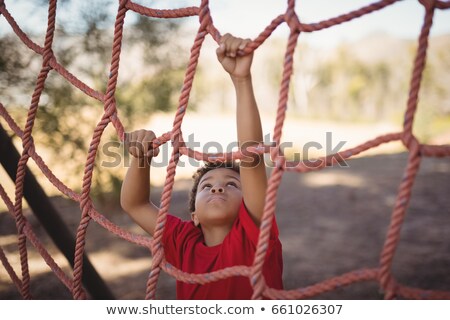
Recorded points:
(238, 66)
(139, 144)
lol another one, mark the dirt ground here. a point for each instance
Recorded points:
(331, 222)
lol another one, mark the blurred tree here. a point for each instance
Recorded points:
(83, 44)
(374, 86)
(351, 89)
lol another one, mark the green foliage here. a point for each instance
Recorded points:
(150, 94)
(66, 116)
(349, 88)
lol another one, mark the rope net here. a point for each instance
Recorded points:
(382, 274)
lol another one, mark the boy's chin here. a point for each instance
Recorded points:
(217, 216)
(221, 208)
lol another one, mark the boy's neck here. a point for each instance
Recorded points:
(215, 235)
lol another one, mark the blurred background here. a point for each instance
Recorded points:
(350, 80)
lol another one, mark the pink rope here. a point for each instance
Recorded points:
(382, 274)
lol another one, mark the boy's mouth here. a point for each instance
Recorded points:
(216, 197)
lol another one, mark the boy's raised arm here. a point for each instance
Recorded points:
(135, 193)
(249, 131)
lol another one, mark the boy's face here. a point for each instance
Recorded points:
(218, 198)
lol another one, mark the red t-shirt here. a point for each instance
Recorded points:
(185, 249)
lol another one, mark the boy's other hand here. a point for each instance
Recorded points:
(139, 144)
(230, 56)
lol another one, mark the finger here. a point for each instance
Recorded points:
(139, 143)
(224, 38)
(234, 45)
(130, 144)
(152, 152)
(244, 44)
(242, 47)
(225, 43)
(147, 143)
(126, 139)
(229, 46)
(221, 52)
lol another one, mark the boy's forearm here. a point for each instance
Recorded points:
(247, 115)
(253, 172)
(136, 185)
(249, 130)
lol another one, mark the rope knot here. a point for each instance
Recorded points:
(49, 58)
(110, 108)
(157, 253)
(20, 223)
(281, 160)
(428, 4)
(205, 15)
(390, 290)
(292, 20)
(123, 3)
(441, 4)
(411, 142)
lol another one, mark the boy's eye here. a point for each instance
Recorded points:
(232, 184)
(206, 185)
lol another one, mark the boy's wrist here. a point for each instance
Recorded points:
(240, 80)
(141, 162)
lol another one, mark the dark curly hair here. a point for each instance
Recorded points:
(202, 171)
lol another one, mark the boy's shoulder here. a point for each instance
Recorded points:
(177, 227)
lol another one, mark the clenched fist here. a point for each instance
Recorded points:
(139, 144)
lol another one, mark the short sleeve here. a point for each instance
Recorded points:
(251, 229)
(174, 235)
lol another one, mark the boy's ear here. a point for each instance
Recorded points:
(195, 219)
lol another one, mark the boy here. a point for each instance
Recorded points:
(227, 200)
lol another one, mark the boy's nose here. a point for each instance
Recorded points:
(217, 189)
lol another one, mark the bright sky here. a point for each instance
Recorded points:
(241, 17)
(402, 19)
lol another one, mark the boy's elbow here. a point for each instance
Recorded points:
(125, 204)
(131, 206)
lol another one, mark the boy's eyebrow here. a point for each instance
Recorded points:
(228, 176)
(205, 179)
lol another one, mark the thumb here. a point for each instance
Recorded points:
(221, 52)
(153, 152)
